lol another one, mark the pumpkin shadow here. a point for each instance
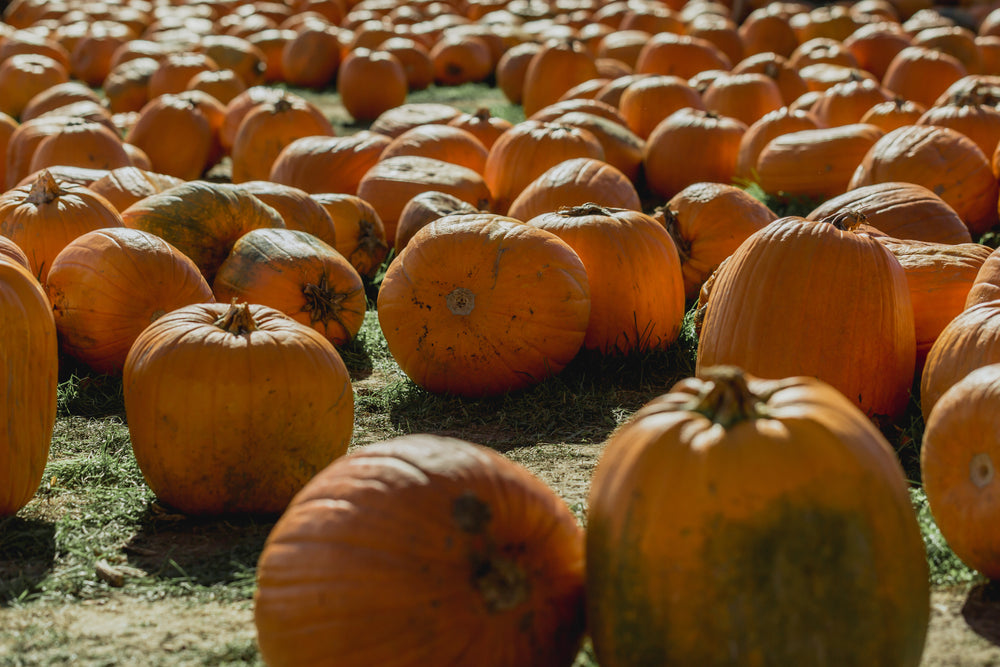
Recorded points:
(201, 551)
(981, 610)
(27, 555)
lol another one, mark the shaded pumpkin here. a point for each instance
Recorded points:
(201, 219)
(359, 68)
(108, 285)
(279, 408)
(848, 555)
(555, 68)
(297, 208)
(865, 294)
(986, 285)
(623, 148)
(30, 359)
(298, 274)
(440, 142)
(489, 571)
(80, 143)
(328, 164)
(358, 231)
(423, 209)
(636, 288)
(481, 304)
(770, 126)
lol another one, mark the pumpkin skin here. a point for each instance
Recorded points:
(482, 304)
(779, 569)
(636, 289)
(276, 399)
(986, 285)
(107, 285)
(864, 313)
(358, 232)
(488, 572)
(125, 186)
(298, 274)
(45, 215)
(958, 468)
(201, 219)
(328, 164)
(573, 182)
(30, 359)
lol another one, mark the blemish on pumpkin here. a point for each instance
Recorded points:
(981, 470)
(470, 513)
(461, 301)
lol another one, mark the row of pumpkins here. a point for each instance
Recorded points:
(517, 245)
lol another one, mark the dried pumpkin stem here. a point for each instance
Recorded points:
(44, 190)
(237, 320)
(847, 220)
(580, 210)
(322, 303)
(672, 224)
(727, 401)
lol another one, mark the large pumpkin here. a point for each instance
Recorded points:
(422, 551)
(108, 285)
(800, 298)
(480, 304)
(233, 408)
(29, 358)
(742, 521)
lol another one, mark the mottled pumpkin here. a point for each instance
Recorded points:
(232, 408)
(816, 558)
(485, 564)
(481, 304)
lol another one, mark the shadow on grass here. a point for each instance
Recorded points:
(27, 555)
(175, 549)
(982, 610)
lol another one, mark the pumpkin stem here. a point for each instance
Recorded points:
(672, 224)
(44, 190)
(589, 208)
(461, 301)
(369, 242)
(727, 400)
(322, 303)
(483, 114)
(237, 320)
(282, 104)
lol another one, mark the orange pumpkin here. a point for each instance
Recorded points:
(958, 460)
(864, 291)
(186, 150)
(43, 216)
(276, 399)
(488, 572)
(361, 99)
(574, 182)
(298, 274)
(770, 126)
(30, 359)
(771, 568)
(423, 209)
(482, 304)
(636, 289)
(107, 285)
(357, 232)
(555, 68)
(328, 164)
(125, 186)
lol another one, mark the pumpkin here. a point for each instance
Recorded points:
(707, 222)
(939, 276)
(328, 164)
(958, 461)
(108, 285)
(298, 274)
(921, 74)
(58, 96)
(397, 120)
(484, 561)
(512, 68)
(942, 160)
(481, 304)
(24, 75)
(126, 87)
(80, 143)
(574, 182)
(969, 341)
(623, 148)
(647, 101)
(766, 30)
(847, 298)
(46, 214)
(22, 144)
(779, 69)
(358, 232)
(425, 208)
(359, 68)
(875, 44)
(815, 163)
(483, 125)
(708, 142)
(893, 114)
(12, 252)
(223, 84)
(969, 113)
(770, 126)
(297, 208)
(233, 408)
(555, 68)
(393, 181)
(986, 285)
(267, 128)
(238, 107)
(816, 558)
(312, 58)
(458, 59)
(679, 55)
(30, 359)
(415, 59)
(745, 97)
(636, 289)
(201, 219)
(176, 69)
(902, 210)
(187, 149)
(847, 102)
(440, 142)
(125, 186)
